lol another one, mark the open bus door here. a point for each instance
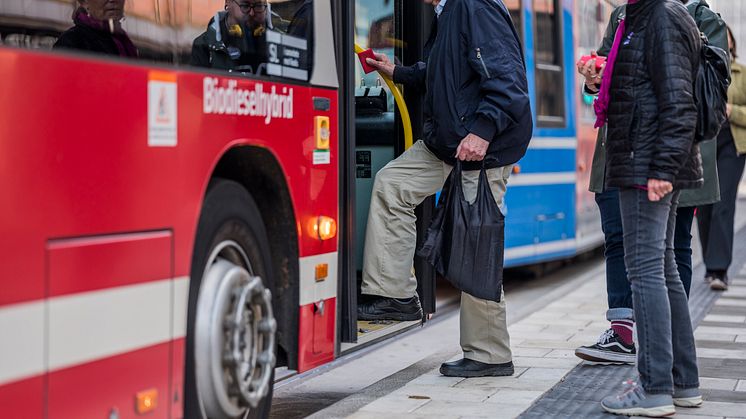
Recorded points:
(372, 135)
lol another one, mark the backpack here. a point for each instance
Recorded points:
(710, 87)
(711, 90)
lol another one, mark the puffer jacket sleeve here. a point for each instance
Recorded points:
(494, 53)
(672, 57)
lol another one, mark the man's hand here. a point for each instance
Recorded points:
(588, 70)
(657, 189)
(382, 64)
(472, 148)
(728, 109)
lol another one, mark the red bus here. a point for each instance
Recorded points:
(174, 239)
(171, 235)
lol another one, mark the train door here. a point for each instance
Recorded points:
(373, 136)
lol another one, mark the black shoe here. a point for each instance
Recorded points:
(610, 349)
(719, 282)
(470, 368)
(385, 308)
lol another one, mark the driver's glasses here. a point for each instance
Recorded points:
(246, 7)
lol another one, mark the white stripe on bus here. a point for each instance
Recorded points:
(22, 347)
(544, 178)
(88, 326)
(312, 291)
(531, 250)
(545, 143)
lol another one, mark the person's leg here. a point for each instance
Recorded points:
(682, 245)
(704, 219)
(719, 254)
(685, 372)
(645, 226)
(619, 293)
(617, 344)
(390, 239)
(484, 330)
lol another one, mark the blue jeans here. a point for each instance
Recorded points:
(682, 245)
(618, 290)
(666, 352)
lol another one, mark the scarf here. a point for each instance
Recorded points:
(601, 105)
(125, 47)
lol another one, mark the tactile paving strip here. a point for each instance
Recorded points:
(578, 395)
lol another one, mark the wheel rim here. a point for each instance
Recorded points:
(234, 335)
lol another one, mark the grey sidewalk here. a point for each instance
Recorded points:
(551, 382)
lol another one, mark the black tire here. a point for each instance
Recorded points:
(228, 213)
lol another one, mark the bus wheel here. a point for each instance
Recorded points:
(231, 342)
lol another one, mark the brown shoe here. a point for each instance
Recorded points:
(719, 284)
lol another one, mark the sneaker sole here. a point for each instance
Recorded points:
(689, 401)
(593, 355)
(490, 372)
(718, 285)
(653, 412)
(400, 317)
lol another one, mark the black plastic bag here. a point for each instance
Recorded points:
(465, 242)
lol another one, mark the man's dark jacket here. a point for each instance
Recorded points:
(475, 80)
(652, 114)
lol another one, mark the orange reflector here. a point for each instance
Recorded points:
(322, 271)
(326, 228)
(146, 400)
(516, 169)
(322, 132)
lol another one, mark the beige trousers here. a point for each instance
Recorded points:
(391, 236)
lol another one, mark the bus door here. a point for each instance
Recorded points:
(375, 136)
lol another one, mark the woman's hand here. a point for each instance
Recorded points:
(657, 189)
(588, 70)
(728, 109)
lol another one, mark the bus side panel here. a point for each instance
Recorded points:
(23, 399)
(95, 389)
(88, 167)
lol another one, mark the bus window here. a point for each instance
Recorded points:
(550, 102)
(67, 26)
(252, 37)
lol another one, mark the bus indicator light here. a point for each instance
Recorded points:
(146, 401)
(323, 228)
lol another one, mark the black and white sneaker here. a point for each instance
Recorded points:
(610, 349)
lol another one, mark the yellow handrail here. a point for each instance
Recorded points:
(403, 111)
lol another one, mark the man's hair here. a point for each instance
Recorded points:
(733, 41)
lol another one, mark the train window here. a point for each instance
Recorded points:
(550, 100)
(135, 29)
(263, 37)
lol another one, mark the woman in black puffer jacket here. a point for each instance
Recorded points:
(651, 115)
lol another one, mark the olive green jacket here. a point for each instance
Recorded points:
(737, 98)
(713, 26)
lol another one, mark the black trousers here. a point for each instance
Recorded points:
(716, 221)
